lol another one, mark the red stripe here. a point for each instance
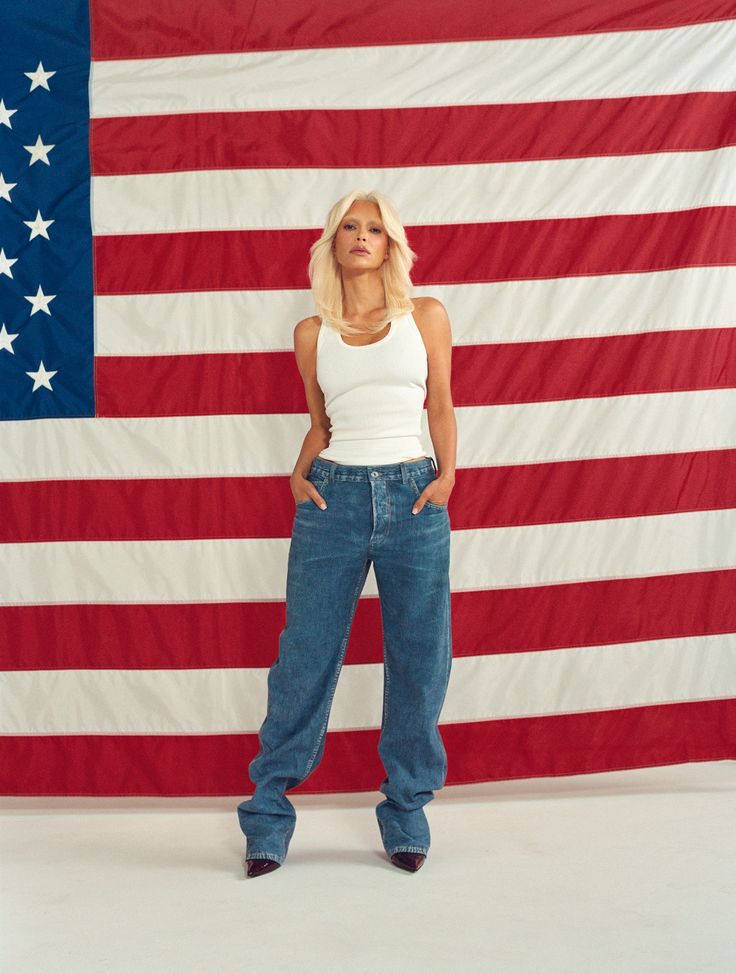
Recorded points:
(155, 263)
(581, 368)
(496, 750)
(427, 136)
(245, 634)
(512, 372)
(263, 507)
(165, 28)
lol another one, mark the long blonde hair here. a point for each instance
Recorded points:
(326, 278)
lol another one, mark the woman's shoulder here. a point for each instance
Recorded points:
(425, 309)
(307, 328)
(313, 321)
(426, 304)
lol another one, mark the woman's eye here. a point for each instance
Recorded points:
(348, 225)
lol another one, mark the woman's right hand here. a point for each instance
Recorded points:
(303, 489)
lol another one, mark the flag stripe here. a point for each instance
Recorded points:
(235, 199)
(463, 72)
(531, 747)
(485, 687)
(530, 249)
(263, 507)
(245, 633)
(159, 28)
(212, 569)
(483, 375)
(442, 135)
(486, 312)
(257, 445)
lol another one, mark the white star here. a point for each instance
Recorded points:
(38, 151)
(5, 114)
(41, 377)
(7, 339)
(40, 301)
(6, 263)
(39, 77)
(5, 188)
(38, 226)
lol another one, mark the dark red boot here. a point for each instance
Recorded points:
(257, 867)
(408, 860)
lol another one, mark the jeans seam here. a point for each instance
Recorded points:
(385, 687)
(447, 624)
(338, 667)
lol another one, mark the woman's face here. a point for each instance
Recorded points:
(361, 227)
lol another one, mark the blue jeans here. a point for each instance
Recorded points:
(368, 520)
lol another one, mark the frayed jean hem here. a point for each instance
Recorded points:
(408, 848)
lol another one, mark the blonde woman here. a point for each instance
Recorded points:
(365, 493)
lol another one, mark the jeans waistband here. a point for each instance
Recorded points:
(387, 471)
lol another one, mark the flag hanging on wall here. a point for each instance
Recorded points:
(567, 175)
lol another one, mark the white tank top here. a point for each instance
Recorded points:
(374, 394)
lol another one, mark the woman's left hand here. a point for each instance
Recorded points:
(438, 492)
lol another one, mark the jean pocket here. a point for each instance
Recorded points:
(319, 480)
(419, 483)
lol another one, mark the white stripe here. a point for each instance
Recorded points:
(615, 64)
(197, 322)
(255, 569)
(233, 701)
(244, 199)
(257, 445)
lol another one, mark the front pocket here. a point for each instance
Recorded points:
(424, 482)
(319, 484)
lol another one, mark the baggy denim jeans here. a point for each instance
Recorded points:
(368, 520)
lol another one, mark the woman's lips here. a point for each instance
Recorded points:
(357, 250)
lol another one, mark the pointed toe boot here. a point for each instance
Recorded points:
(257, 867)
(408, 860)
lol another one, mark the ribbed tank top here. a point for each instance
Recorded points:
(374, 394)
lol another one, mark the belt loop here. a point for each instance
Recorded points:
(434, 465)
(331, 473)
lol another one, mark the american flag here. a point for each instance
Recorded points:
(567, 174)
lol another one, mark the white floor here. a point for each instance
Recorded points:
(626, 872)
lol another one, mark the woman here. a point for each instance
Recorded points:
(365, 494)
